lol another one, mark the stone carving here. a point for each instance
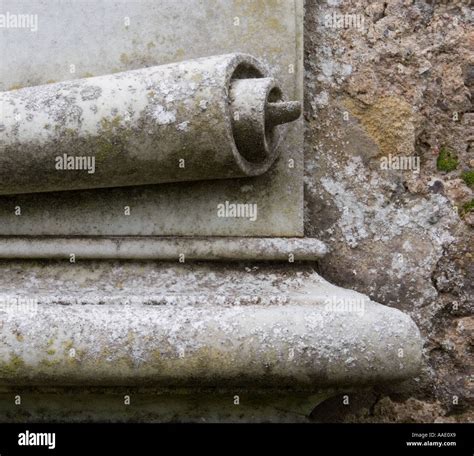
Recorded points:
(52, 56)
(210, 118)
(199, 327)
(171, 326)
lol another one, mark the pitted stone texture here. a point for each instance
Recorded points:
(196, 326)
(395, 87)
(163, 248)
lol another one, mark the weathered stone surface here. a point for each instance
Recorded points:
(394, 234)
(122, 37)
(202, 326)
(164, 248)
(400, 86)
(157, 405)
(168, 123)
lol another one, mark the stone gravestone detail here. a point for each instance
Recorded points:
(172, 150)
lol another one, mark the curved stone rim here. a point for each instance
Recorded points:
(248, 167)
(296, 345)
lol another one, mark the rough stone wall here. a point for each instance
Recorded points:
(401, 86)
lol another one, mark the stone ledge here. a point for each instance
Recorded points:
(196, 326)
(163, 248)
(158, 405)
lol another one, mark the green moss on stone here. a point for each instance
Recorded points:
(447, 161)
(109, 124)
(49, 363)
(68, 345)
(12, 367)
(468, 177)
(467, 207)
(112, 137)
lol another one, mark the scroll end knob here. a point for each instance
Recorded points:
(282, 112)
